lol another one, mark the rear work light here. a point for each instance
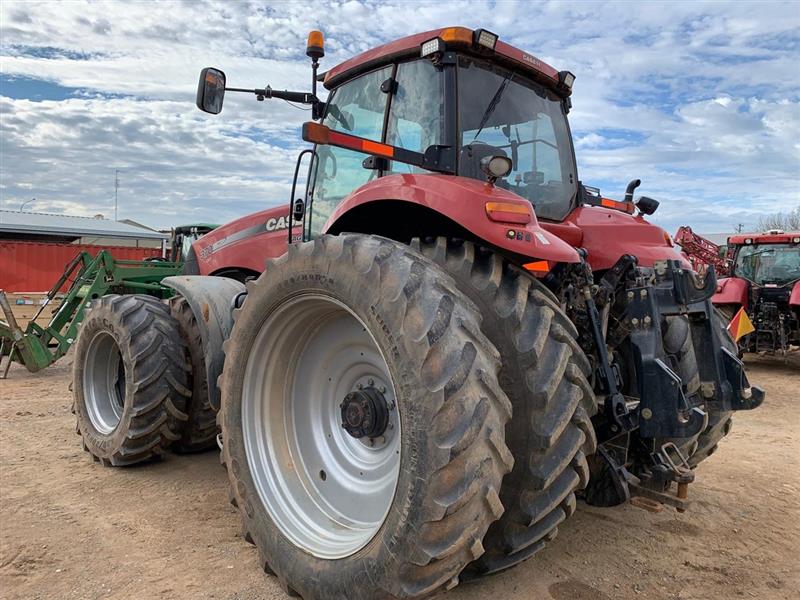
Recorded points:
(566, 79)
(508, 212)
(484, 38)
(432, 47)
(459, 37)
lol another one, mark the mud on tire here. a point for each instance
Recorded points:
(452, 454)
(199, 431)
(544, 373)
(129, 380)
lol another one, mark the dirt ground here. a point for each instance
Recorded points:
(70, 528)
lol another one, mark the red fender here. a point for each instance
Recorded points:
(794, 299)
(464, 201)
(733, 290)
(245, 243)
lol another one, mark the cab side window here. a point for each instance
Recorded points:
(357, 108)
(416, 116)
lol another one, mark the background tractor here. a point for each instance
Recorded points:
(438, 344)
(764, 280)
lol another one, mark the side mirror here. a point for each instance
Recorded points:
(647, 206)
(211, 90)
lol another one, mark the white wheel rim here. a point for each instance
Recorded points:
(328, 492)
(104, 383)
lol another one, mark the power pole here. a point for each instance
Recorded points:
(116, 191)
(739, 227)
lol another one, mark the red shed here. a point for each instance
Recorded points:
(35, 247)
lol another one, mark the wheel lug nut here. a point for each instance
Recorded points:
(360, 386)
(383, 389)
(372, 382)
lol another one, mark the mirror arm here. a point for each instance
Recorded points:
(268, 92)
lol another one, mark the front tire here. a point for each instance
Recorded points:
(544, 373)
(332, 513)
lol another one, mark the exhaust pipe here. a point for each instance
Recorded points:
(629, 190)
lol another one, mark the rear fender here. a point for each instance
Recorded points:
(462, 201)
(733, 291)
(211, 300)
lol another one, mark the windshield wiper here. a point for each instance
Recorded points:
(493, 104)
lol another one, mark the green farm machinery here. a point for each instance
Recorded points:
(90, 277)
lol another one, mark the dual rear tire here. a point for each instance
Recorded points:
(130, 380)
(424, 326)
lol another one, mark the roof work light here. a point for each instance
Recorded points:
(487, 39)
(433, 46)
(566, 79)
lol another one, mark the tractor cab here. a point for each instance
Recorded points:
(453, 102)
(459, 108)
(767, 260)
(183, 237)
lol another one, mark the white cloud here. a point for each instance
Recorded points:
(698, 99)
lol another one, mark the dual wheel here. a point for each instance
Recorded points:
(367, 399)
(139, 382)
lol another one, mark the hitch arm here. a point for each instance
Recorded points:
(619, 418)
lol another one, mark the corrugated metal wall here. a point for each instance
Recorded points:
(36, 266)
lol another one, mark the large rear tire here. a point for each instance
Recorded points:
(544, 373)
(199, 432)
(349, 321)
(130, 379)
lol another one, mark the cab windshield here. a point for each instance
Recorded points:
(502, 112)
(769, 263)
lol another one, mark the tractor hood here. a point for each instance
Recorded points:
(607, 234)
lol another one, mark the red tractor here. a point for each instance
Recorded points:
(764, 281)
(439, 343)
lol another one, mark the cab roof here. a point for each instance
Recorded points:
(769, 237)
(454, 38)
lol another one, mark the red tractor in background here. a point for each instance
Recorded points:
(430, 352)
(764, 280)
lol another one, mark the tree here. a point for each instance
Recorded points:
(788, 221)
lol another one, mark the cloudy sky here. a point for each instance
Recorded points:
(699, 100)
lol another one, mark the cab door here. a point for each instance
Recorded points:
(400, 105)
(357, 107)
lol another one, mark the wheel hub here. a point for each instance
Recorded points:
(365, 413)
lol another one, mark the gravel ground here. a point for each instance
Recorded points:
(70, 528)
